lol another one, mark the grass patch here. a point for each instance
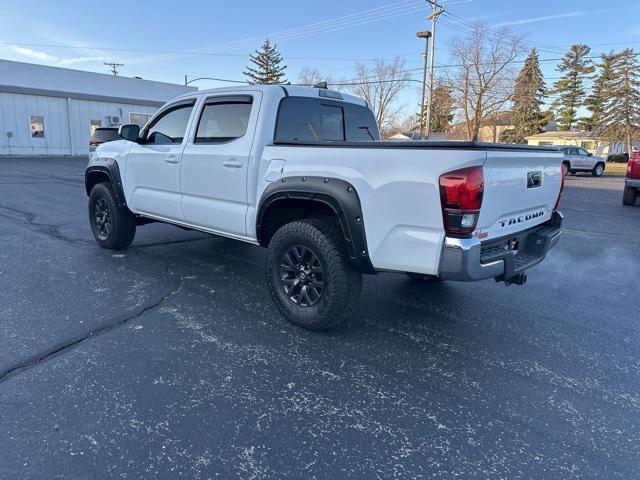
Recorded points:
(615, 169)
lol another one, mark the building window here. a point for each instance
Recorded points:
(139, 118)
(545, 143)
(93, 125)
(36, 124)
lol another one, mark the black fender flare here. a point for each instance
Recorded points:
(108, 167)
(339, 195)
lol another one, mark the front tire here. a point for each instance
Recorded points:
(629, 196)
(113, 227)
(310, 277)
(598, 170)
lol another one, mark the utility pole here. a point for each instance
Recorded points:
(114, 67)
(426, 35)
(436, 11)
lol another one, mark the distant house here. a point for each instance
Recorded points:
(404, 136)
(491, 128)
(590, 141)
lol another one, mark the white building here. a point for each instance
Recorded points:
(52, 111)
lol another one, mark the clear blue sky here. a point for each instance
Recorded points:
(328, 35)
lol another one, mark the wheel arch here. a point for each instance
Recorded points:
(105, 171)
(294, 198)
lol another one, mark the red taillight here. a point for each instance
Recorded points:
(93, 142)
(461, 197)
(562, 175)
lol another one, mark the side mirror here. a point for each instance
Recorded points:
(129, 132)
(590, 154)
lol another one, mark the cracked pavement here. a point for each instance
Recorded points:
(168, 360)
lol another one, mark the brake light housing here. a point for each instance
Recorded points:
(461, 193)
(94, 142)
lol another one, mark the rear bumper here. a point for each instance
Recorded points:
(469, 259)
(632, 182)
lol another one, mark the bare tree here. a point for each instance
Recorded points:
(311, 76)
(380, 85)
(482, 82)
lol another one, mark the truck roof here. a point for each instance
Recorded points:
(288, 90)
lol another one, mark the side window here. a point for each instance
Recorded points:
(583, 152)
(170, 126)
(224, 119)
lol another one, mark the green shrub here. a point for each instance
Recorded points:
(618, 158)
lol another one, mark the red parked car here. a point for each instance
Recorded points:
(632, 182)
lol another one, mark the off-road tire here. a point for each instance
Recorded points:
(122, 223)
(598, 172)
(342, 281)
(629, 196)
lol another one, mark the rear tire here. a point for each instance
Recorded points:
(629, 196)
(598, 170)
(310, 277)
(113, 227)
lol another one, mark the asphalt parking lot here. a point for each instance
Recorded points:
(169, 361)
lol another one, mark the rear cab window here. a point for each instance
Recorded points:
(307, 119)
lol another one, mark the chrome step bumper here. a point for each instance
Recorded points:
(469, 259)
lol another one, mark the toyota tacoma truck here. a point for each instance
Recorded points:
(303, 172)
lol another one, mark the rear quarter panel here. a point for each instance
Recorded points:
(398, 190)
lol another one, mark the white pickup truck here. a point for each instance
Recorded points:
(302, 171)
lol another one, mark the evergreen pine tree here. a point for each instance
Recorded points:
(527, 98)
(268, 66)
(599, 93)
(441, 109)
(620, 115)
(576, 67)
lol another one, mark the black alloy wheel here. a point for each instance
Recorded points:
(302, 276)
(102, 219)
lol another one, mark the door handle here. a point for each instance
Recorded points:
(233, 163)
(171, 159)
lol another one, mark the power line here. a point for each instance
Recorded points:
(114, 67)
(176, 52)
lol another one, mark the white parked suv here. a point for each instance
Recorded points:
(577, 159)
(302, 171)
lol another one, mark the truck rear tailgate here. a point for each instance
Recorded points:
(520, 191)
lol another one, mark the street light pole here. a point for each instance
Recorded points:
(424, 34)
(436, 11)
